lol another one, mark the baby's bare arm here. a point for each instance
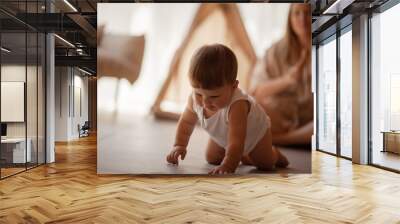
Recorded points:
(186, 124)
(185, 128)
(237, 134)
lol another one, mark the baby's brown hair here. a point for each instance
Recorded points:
(213, 66)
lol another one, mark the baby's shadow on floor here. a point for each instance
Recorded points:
(299, 162)
(282, 171)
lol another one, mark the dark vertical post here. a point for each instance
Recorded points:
(369, 89)
(26, 86)
(338, 77)
(316, 97)
(37, 89)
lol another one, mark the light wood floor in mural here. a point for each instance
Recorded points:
(71, 192)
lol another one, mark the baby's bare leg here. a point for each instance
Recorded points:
(214, 153)
(266, 157)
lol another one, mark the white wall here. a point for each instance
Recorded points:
(79, 117)
(62, 81)
(66, 119)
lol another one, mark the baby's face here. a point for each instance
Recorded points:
(214, 99)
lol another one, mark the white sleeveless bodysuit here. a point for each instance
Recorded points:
(217, 125)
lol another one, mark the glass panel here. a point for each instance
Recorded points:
(22, 89)
(327, 97)
(31, 100)
(346, 94)
(385, 84)
(13, 87)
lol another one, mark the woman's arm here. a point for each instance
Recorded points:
(299, 136)
(286, 81)
(272, 87)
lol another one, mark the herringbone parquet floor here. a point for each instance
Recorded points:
(69, 191)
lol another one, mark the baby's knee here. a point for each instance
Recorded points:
(213, 160)
(266, 166)
(264, 162)
(246, 160)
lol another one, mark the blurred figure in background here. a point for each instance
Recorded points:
(281, 81)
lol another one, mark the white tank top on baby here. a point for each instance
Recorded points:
(217, 125)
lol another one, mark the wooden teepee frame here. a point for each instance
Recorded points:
(233, 23)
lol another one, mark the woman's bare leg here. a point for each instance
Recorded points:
(265, 157)
(280, 133)
(298, 136)
(214, 153)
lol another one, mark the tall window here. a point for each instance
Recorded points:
(385, 88)
(327, 96)
(394, 102)
(346, 94)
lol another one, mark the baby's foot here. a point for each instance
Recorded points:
(282, 160)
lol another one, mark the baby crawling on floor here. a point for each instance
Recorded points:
(239, 129)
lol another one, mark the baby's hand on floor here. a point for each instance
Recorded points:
(173, 156)
(222, 170)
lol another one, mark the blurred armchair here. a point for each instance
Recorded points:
(119, 56)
